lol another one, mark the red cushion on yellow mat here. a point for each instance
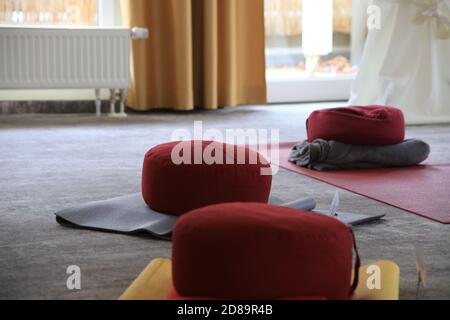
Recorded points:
(260, 251)
(173, 295)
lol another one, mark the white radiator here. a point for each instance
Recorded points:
(68, 58)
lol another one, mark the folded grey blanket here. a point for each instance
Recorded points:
(325, 155)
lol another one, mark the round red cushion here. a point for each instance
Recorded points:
(260, 251)
(173, 188)
(377, 125)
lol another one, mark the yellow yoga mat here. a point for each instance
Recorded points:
(154, 283)
(388, 286)
(377, 281)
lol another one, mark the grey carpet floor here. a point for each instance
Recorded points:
(49, 162)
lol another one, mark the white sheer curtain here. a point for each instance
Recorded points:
(406, 63)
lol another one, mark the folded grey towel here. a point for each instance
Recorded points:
(325, 155)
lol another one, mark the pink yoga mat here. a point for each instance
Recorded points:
(423, 190)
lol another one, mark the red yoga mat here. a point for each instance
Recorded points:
(423, 190)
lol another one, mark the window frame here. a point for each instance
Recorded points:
(108, 13)
(313, 89)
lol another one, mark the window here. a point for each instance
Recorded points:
(49, 12)
(284, 22)
(293, 74)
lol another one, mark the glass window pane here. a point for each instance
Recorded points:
(284, 23)
(48, 12)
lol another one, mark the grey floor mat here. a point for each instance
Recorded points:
(131, 215)
(128, 214)
(353, 219)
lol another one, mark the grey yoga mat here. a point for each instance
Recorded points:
(131, 215)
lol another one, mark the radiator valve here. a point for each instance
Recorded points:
(139, 33)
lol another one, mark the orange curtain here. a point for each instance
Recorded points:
(200, 53)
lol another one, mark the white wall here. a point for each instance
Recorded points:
(109, 15)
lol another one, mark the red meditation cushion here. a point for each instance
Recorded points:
(376, 125)
(259, 251)
(172, 187)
